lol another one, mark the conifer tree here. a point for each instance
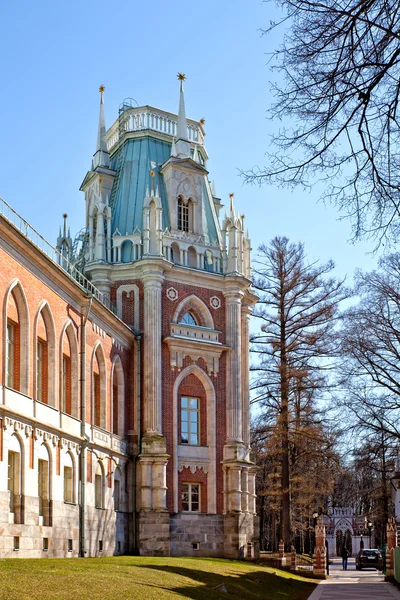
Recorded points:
(297, 311)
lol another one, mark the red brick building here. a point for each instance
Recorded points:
(124, 406)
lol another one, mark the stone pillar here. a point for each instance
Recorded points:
(319, 560)
(293, 562)
(153, 519)
(245, 364)
(234, 370)
(152, 282)
(391, 533)
(245, 489)
(252, 489)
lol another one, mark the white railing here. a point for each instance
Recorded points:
(140, 119)
(52, 253)
(201, 334)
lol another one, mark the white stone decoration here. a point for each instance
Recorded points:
(215, 302)
(172, 294)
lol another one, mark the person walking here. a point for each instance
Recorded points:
(345, 556)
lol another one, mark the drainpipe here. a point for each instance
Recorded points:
(84, 436)
(139, 441)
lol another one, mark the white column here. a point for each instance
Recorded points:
(245, 489)
(246, 312)
(234, 415)
(152, 282)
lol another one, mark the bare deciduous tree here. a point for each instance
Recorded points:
(339, 101)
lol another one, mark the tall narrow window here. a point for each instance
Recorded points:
(41, 371)
(68, 495)
(115, 405)
(183, 214)
(66, 384)
(43, 488)
(10, 362)
(190, 430)
(98, 491)
(96, 385)
(191, 497)
(13, 479)
(117, 494)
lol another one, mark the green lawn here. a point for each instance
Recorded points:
(145, 578)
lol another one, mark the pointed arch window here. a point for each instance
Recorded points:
(183, 214)
(16, 340)
(99, 389)
(188, 319)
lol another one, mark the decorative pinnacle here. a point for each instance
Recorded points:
(65, 215)
(152, 173)
(181, 76)
(202, 121)
(231, 195)
(102, 88)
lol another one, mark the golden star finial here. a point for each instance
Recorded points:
(202, 121)
(102, 88)
(231, 195)
(181, 76)
(152, 173)
(242, 217)
(65, 215)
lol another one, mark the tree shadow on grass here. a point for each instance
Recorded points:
(245, 586)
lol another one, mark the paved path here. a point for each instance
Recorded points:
(367, 584)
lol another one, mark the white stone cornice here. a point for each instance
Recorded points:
(210, 352)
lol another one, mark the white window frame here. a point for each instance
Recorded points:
(68, 484)
(193, 417)
(190, 489)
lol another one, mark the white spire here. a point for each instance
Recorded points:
(182, 143)
(101, 157)
(182, 125)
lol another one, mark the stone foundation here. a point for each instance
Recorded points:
(197, 535)
(241, 536)
(153, 533)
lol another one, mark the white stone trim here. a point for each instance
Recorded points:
(211, 439)
(129, 288)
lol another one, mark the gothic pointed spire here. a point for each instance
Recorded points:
(182, 144)
(182, 125)
(101, 157)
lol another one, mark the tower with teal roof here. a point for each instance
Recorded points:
(154, 243)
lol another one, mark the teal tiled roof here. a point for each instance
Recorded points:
(140, 156)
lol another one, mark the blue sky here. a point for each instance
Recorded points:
(53, 57)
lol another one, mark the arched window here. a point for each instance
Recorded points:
(99, 486)
(44, 484)
(69, 488)
(127, 251)
(175, 254)
(16, 337)
(188, 319)
(14, 478)
(208, 261)
(118, 398)
(192, 257)
(183, 214)
(45, 357)
(99, 388)
(69, 372)
(117, 489)
(190, 421)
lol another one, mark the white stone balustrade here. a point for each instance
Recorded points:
(202, 334)
(142, 118)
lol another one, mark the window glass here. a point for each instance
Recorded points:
(68, 497)
(10, 355)
(183, 215)
(188, 319)
(190, 430)
(117, 494)
(98, 483)
(191, 497)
